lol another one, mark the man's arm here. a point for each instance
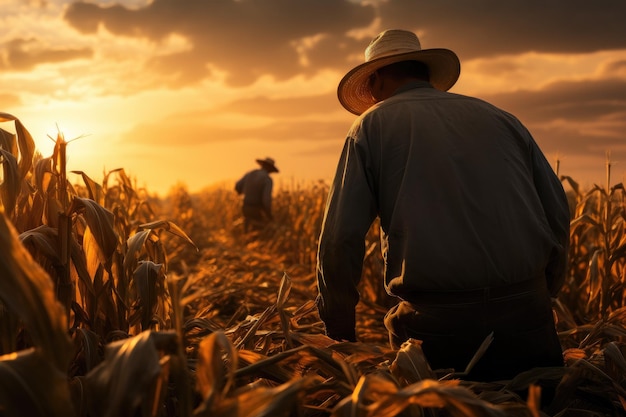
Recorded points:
(350, 211)
(556, 208)
(239, 185)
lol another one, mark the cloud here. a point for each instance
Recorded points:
(24, 54)
(484, 28)
(248, 39)
(220, 73)
(615, 69)
(572, 101)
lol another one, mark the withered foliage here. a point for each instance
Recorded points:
(116, 303)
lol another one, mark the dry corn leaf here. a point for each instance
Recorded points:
(282, 401)
(42, 240)
(135, 245)
(30, 385)
(283, 295)
(100, 222)
(571, 355)
(615, 364)
(27, 291)
(7, 141)
(457, 401)
(169, 227)
(25, 142)
(93, 188)
(10, 186)
(149, 279)
(266, 367)
(127, 381)
(410, 365)
(43, 175)
(88, 348)
(217, 361)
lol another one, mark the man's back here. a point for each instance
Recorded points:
(475, 222)
(457, 182)
(256, 186)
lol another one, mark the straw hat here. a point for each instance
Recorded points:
(389, 47)
(268, 164)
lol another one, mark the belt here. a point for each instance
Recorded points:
(475, 295)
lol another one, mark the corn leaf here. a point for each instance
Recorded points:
(410, 365)
(27, 291)
(7, 141)
(169, 227)
(149, 282)
(11, 182)
(217, 360)
(94, 189)
(126, 382)
(135, 244)
(100, 221)
(25, 142)
(30, 385)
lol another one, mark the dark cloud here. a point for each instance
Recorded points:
(251, 38)
(575, 101)
(615, 68)
(246, 38)
(484, 28)
(25, 54)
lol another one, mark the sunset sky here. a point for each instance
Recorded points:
(193, 91)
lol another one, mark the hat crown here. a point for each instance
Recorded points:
(268, 163)
(392, 42)
(389, 47)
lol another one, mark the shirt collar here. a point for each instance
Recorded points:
(412, 85)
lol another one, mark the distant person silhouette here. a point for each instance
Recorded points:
(474, 221)
(256, 188)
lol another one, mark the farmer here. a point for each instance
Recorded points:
(474, 222)
(256, 187)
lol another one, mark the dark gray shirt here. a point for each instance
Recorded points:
(466, 199)
(256, 187)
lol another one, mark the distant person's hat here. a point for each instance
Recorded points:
(387, 48)
(267, 163)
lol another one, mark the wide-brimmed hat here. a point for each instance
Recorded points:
(389, 47)
(268, 164)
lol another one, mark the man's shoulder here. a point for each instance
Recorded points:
(447, 98)
(426, 99)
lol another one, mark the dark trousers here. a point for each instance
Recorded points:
(254, 217)
(452, 326)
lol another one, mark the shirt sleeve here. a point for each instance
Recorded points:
(350, 211)
(556, 208)
(239, 185)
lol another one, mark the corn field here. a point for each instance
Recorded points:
(114, 302)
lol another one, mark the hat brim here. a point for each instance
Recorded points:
(354, 92)
(265, 164)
